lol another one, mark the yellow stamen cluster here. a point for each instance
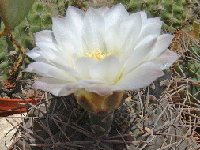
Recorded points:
(96, 54)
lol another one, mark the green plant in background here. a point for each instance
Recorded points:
(3, 58)
(39, 18)
(12, 13)
(174, 13)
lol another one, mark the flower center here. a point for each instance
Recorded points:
(97, 55)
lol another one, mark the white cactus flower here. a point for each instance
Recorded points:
(101, 50)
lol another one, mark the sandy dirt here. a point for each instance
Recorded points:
(7, 130)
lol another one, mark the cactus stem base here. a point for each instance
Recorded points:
(101, 123)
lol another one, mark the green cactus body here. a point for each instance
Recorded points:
(3, 58)
(172, 12)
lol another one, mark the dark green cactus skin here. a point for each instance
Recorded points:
(3, 58)
(192, 71)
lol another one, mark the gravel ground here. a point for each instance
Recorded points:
(7, 130)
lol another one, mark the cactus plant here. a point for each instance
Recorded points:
(134, 114)
(13, 12)
(174, 13)
(3, 58)
(137, 125)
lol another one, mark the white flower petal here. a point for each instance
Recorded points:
(165, 60)
(114, 15)
(45, 39)
(83, 65)
(54, 86)
(93, 29)
(34, 53)
(151, 28)
(137, 56)
(39, 55)
(62, 34)
(140, 77)
(100, 87)
(101, 11)
(113, 45)
(74, 23)
(67, 36)
(74, 17)
(112, 18)
(105, 70)
(101, 90)
(144, 17)
(48, 56)
(44, 36)
(162, 44)
(153, 20)
(48, 70)
(130, 29)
